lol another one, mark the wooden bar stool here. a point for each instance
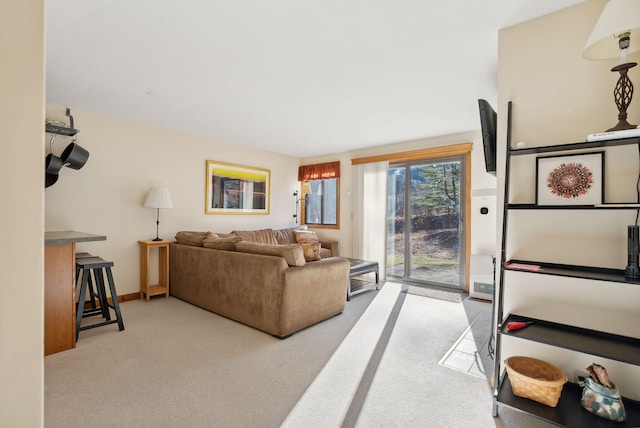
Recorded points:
(99, 266)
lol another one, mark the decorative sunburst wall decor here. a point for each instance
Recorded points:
(570, 179)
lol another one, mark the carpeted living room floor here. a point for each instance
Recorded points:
(176, 365)
(375, 365)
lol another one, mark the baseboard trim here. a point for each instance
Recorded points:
(128, 297)
(121, 298)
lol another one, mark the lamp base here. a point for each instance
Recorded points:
(622, 125)
(622, 94)
(157, 239)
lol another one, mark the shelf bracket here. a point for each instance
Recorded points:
(52, 128)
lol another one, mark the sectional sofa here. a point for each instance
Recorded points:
(259, 278)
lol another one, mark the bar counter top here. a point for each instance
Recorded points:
(70, 236)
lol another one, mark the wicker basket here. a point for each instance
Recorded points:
(535, 379)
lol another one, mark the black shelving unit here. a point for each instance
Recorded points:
(573, 146)
(600, 344)
(574, 271)
(568, 412)
(613, 206)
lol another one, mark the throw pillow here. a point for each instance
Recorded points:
(286, 236)
(311, 251)
(228, 244)
(306, 236)
(191, 238)
(292, 254)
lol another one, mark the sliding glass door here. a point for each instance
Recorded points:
(425, 221)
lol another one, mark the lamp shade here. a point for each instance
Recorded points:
(618, 16)
(158, 197)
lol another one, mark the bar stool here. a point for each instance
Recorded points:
(92, 291)
(96, 264)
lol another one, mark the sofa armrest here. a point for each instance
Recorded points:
(330, 245)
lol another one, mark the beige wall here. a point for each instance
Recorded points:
(126, 159)
(558, 98)
(21, 183)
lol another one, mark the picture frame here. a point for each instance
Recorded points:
(236, 189)
(576, 179)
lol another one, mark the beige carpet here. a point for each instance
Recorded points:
(328, 399)
(402, 384)
(175, 365)
(410, 387)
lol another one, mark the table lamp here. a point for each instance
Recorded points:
(620, 19)
(157, 198)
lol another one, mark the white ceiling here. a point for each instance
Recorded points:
(300, 77)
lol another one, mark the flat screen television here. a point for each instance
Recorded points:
(488, 121)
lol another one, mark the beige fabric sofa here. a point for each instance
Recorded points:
(278, 294)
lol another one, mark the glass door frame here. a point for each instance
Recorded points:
(462, 153)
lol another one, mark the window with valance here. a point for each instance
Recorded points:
(321, 194)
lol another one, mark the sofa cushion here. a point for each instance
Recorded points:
(222, 235)
(306, 236)
(264, 236)
(228, 244)
(311, 251)
(325, 253)
(292, 254)
(286, 236)
(191, 238)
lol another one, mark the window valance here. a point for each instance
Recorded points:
(319, 171)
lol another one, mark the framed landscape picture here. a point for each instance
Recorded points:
(570, 179)
(236, 189)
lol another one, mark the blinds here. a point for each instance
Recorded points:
(369, 212)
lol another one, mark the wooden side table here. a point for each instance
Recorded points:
(146, 289)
